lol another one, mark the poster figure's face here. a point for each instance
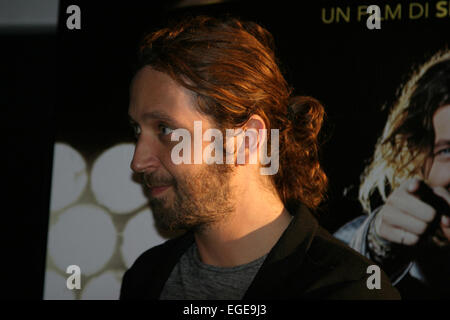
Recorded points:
(438, 168)
(182, 196)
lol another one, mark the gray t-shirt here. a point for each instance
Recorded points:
(191, 279)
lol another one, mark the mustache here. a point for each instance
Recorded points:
(151, 180)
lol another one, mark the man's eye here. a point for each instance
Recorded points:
(137, 131)
(443, 152)
(165, 130)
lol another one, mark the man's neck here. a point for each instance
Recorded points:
(247, 234)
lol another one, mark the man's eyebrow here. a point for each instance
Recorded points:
(441, 143)
(156, 115)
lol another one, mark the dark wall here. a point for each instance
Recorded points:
(28, 91)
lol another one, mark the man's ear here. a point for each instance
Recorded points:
(256, 123)
(250, 140)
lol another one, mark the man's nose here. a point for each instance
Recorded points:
(144, 158)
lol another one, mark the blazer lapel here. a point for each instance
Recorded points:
(285, 258)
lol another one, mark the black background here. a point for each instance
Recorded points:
(73, 87)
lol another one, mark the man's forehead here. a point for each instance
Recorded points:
(154, 85)
(154, 94)
(151, 88)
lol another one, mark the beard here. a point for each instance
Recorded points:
(198, 200)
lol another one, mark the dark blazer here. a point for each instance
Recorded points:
(306, 263)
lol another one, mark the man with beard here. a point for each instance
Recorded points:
(248, 235)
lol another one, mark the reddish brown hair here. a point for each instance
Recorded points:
(231, 66)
